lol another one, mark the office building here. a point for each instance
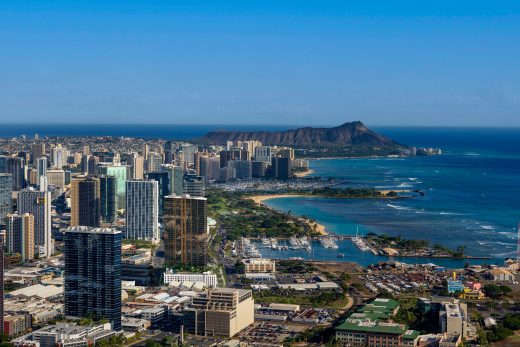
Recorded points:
(175, 178)
(227, 174)
(258, 169)
(142, 210)
(138, 168)
(41, 169)
(19, 235)
(453, 318)
(38, 151)
(93, 162)
(208, 278)
(186, 232)
(193, 185)
(169, 152)
(119, 172)
(56, 177)
(210, 168)
(281, 168)
(220, 312)
(38, 204)
(107, 195)
(243, 168)
(16, 167)
(93, 274)
(263, 153)
(85, 199)
(163, 181)
(59, 156)
(154, 162)
(6, 195)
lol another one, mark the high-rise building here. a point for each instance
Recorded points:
(137, 165)
(162, 178)
(263, 153)
(119, 172)
(142, 210)
(86, 150)
(175, 178)
(93, 274)
(259, 169)
(38, 204)
(56, 177)
(16, 167)
(85, 201)
(93, 162)
(154, 162)
(186, 233)
(146, 151)
(193, 185)
(6, 195)
(169, 152)
(281, 168)
(210, 167)
(59, 156)
(244, 169)
(107, 195)
(41, 169)
(38, 151)
(19, 235)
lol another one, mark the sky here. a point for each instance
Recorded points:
(301, 62)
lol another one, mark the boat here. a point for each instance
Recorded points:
(340, 255)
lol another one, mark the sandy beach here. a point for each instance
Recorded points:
(304, 173)
(259, 200)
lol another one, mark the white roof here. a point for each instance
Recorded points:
(38, 290)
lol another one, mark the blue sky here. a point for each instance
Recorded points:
(260, 62)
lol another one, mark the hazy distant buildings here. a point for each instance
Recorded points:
(37, 151)
(19, 235)
(258, 169)
(93, 274)
(243, 168)
(142, 210)
(59, 156)
(185, 226)
(38, 204)
(6, 195)
(154, 162)
(263, 153)
(85, 195)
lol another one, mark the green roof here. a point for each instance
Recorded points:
(369, 315)
(372, 327)
(411, 334)
(389, 304)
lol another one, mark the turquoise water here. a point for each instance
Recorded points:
(472, 195)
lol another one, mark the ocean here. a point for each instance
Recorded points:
(472, 194)
(472, 190)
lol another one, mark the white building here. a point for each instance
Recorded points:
(142, 210)
(263, 153)
(56, 177)
(208, 278)
(38, 203)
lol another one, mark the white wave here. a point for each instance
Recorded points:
(405, 185)
(472, 154)
(412, 178)
(503, 255)
(509, 234)
(398, 207)
(487, 227)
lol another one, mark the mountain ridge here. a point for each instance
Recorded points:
(347, 134)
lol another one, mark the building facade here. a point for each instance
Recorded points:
(85, 201)
(6, 195)
(142, 210)
(185, 230)
(19, 235)
(38, 204)
(93, 274)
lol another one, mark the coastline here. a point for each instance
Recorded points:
(304, 173)
(259, 200)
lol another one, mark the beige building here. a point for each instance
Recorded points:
(56, 177)
(453, 319)
(220, 312)
(19, 236)
(259, 265)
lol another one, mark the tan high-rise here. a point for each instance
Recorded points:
(85, 201)
(19, 236)
(185, 230)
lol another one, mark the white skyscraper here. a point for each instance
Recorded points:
(38, 203)
(142, 210)
(59, 156)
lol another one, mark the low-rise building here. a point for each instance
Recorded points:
(500, 274)
(15, 325)
(66, 335)
(208, 278)
(259, 265)
(135, 324)
(219, 312)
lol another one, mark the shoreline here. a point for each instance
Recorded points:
(304, 173)
(260, 199)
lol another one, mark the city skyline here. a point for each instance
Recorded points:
(260, 63)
